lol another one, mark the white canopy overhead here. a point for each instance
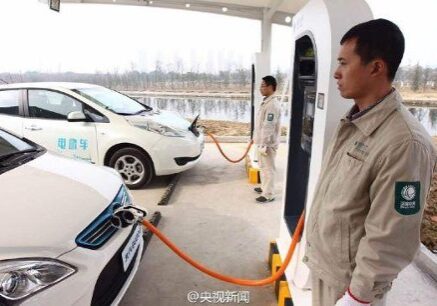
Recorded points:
(275, 11)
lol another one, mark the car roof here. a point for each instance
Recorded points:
(48, 85)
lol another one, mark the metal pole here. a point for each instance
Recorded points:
(252, 103)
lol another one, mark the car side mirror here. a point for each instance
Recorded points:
(76, 117)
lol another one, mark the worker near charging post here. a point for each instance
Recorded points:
(267, 129)
(364, 223)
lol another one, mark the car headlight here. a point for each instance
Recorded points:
(159, 128)
(20, 278)
(125, 196)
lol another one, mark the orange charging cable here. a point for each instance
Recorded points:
(223, 153)
(229, 279)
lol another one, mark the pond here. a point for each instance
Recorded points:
(239, 110)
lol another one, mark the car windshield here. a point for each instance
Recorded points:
(10, 145)
(112, 100)
(15, 152)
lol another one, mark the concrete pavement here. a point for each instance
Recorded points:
(213, 217)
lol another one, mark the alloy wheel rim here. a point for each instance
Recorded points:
(130, 168)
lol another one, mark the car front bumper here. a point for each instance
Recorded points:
(177, 154)
(100, 278)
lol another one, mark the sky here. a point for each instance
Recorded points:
(110, 38)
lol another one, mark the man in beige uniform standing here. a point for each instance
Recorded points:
(266, 138)
(364, 223)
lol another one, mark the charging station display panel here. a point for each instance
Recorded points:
(308, 118)
(301, 132)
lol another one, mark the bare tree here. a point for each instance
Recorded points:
(434, 79)
(426, 77)
(417, 77)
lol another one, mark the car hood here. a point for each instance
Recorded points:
(48, 201)
(164, 117)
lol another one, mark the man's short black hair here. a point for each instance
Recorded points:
(270, 80)
(379, 38)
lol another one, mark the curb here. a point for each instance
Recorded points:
(427, 261)
(169, 190)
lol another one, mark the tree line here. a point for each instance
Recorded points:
(414, 77)
(239, 79)
(417, 78)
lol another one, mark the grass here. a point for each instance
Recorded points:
(230, 128)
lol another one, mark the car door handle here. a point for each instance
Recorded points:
(33, 128)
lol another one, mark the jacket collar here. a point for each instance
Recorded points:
(371, 120)
(268, 99)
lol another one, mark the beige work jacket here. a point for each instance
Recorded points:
(268, 123)
(364, 223)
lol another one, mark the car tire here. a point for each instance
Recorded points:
(134, 166)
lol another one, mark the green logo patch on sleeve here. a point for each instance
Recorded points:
(407, 197)
(270, 117)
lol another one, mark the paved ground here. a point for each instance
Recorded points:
(213, 217)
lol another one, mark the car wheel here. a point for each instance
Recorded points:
(134, 166)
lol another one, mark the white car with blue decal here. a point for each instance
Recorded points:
(102, 126)
(59, 244)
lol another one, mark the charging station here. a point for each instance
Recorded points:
(316, 108)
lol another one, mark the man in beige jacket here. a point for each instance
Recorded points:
(266, 138)
(364, 223)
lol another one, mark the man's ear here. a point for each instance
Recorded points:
(378, 67)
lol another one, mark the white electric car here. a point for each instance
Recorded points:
(57, 244)
(102, 126)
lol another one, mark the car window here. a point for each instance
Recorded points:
(9, 101)
(94, 115)
(48, 104)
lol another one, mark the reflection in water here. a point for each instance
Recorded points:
(209, 108)
(433, 117)
(426, 116)
(239, 110)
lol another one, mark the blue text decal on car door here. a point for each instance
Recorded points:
(74, 147)
(71, 144)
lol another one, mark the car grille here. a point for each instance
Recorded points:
(112, 278)
(181, 161)
(100, 230)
